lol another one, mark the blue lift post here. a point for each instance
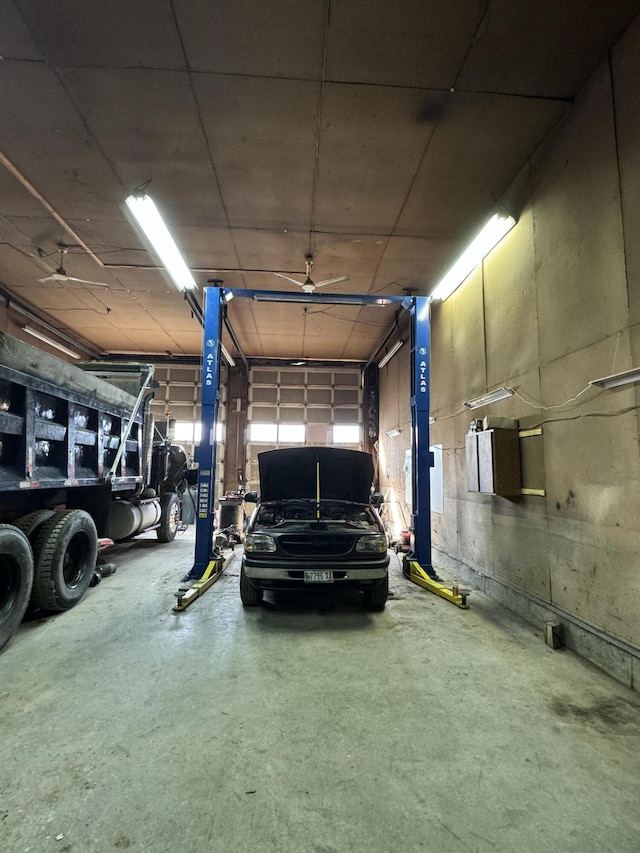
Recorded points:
(417, 566)
(421, 456)
(208, 564)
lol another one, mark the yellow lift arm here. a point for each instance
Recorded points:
(417, 574)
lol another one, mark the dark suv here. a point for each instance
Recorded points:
(314, 526)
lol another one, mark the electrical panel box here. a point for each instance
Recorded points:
(493, 462)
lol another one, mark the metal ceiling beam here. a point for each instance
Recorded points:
(312, 298)
(235, 340)
(158, 267)
(193, 303)
(29, 187)
(330, 363)
(407, 302)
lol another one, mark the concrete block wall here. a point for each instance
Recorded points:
(555, 305)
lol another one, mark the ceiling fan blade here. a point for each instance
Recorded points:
(55, 277)
(292, 280)
(332, 280)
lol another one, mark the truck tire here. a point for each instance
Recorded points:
(65, 551)
(376, 598)
(16, 579)
(29, 524)
(169, 517)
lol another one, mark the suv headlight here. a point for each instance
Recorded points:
(375, 544)
(259, 542)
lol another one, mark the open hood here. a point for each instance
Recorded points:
(308, 472)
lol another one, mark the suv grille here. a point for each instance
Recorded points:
(303, 545)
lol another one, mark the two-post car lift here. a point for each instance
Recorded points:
(208, 563)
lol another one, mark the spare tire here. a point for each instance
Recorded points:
(65, 551)
(16, 579)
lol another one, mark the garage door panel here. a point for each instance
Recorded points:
(264, 395)
(292, 395)
(315, 399)
(262, 414)
(318, 416)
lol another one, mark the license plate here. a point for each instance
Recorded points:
(318, 576)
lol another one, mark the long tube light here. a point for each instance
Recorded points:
(148, 218)
(617, 379)
(491, 397)
(47, 340)
(227, 356)
(389, 355)
(479, 248)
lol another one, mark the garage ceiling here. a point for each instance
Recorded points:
(376, 136)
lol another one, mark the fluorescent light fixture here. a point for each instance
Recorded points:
(389, 355)
(47, 340)
(479, 248)
(227, 357)
(392, 432)
(297, 363)
(148, 218)
(491, 397)
(617, 379)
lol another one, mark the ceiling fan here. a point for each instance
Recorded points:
(62, 275)
(309, 286)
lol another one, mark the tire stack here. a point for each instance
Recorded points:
(47, 560)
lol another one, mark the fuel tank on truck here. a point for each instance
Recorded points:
(127, 519)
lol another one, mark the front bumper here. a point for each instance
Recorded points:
(277, 574)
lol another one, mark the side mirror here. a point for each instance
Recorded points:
(251, 497)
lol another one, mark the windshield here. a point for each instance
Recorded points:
(338, 513)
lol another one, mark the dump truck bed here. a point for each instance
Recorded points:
(61, 426)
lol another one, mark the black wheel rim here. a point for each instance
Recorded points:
(75, 560)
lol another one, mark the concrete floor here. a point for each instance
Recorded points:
(305, 727)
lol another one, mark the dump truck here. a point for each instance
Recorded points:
(78, 468)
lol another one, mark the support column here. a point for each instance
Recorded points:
(421, 456)
(206, 451)
(370, 417)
